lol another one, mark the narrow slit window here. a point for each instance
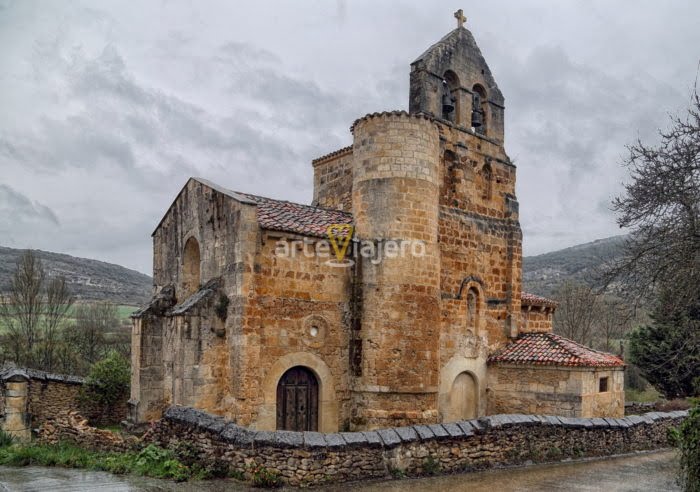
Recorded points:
(603, 385)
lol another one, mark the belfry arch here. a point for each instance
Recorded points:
(191, 267)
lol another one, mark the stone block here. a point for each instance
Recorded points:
(334, 440)
(453, 429)
(439, 431)
(354, 438)
(407, 434)
(264, 438)
(314, 440)
(389, 437)
(231, 432)
(467, 428)
(373, 438)
(289, 439)
(423, 432)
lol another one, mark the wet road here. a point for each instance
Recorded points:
(651, 472)
(639, 473)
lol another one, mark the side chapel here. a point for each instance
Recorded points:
(293, 342)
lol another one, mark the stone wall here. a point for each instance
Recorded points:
(31, 397)
(571, 392)
(395, 197)
(312, 458)
(333, 180)
(536, 319)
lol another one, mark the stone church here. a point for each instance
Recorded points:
(294, 341)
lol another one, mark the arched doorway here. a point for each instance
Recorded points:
(297, 400)
(190, 267)
(463, 397)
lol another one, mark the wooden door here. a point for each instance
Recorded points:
(297, 400)
(463, 398)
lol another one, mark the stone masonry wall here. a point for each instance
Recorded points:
(28, 398)
(312, 458)
(571, 392)
(395, 197)
(333, 180)
(536, 319)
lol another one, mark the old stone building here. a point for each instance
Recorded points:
(430, 326)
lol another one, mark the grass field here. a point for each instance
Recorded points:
(648, 395)
(123, 313)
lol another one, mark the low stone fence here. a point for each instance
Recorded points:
(72, 427)
(313, 458)
(29, 397)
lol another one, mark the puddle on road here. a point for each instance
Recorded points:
(651, 472)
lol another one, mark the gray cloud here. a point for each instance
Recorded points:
(107, 111)
(20, 215)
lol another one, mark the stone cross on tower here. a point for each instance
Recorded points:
(461, 19)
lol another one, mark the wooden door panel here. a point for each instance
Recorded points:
(297, 400)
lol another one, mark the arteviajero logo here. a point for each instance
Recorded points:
(342, 250)
(340, 235)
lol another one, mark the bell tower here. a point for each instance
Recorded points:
(451, 81)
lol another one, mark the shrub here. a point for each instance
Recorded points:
(108, 380)
(5, 439)
(431, 466)
(152, 461)
(688, 437)
(264, 478)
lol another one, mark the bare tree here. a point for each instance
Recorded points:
(92, 324)
(21, 310)
(58, 303)
(576, 316)
(33, 316)
(613, 322)
(661, 204)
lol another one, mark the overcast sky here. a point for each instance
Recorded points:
(106, 108)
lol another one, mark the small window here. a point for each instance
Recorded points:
(602, 385)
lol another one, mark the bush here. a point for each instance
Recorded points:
(5, 439)
(688, 438)
(109, 379)
(431, 466)
(152, 461)
(264, 478)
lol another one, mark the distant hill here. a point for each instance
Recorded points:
(544, 274)
(88, 279)
(96, 280)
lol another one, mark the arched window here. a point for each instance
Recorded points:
(473, 311)
(479, 109)
(487, 184)
(451, 87)
(191, 267)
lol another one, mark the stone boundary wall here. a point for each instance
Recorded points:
(29, 397)
(313, 458)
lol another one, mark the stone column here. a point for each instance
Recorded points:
(395, 200)
(16, 421)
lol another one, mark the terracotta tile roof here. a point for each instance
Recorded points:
(279, 215)
(548, 349)
(527, 299)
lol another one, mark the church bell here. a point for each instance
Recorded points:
(477, 118)
(448, 101)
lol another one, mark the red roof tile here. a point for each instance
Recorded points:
(279, 215)
(527, 299)
(548, 349)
